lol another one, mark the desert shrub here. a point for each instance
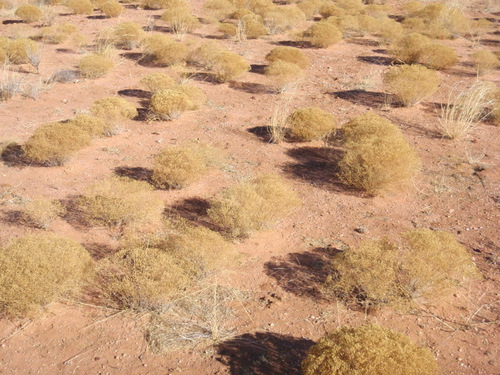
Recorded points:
(389, 30)
(411, 83)
(329, 9)
(36, 269)
(127, 35)
(322, 34)
(120, 201)
(282, 18)
(309, 7)
(227, 66)
(113, 109)
(351, 6)
(253, 205)
(368, 23)
(195, 95)
(29, 13)
(283, 74)
(3, 56)
(112, 8)
(54, 143)
(168, 104)
(4, 42)
(177, 167)
(369, 349)
(162, 4)
(349, 25)
(307, 124)
(240, 13)
(228, 30)
(42, 212)
(56, 34)
(80, 6)
(377, 156)
(259, 6)
(10, 84)
(95, 66)
(251, 27)
(437, 56)
(411, 7)
(204, 55)
(19, 50)
(158, 81)
(289, 54)
(180, 20)
(408, 49)
(495, 104)
(484, 61)
(220, 9)
(94, 126)
(162, 50)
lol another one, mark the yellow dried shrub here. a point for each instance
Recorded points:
(279, 19)
(289, 54)
(95, 66)
(55, 143)
(437, 56)
(228, 30)
(253, 205)
(57, 34)
(220, 9)
(227, 66)
(368, 350)
(204, 55)
(283, 74)
(18, 50)
(408, 49)
(322, 34)
(351, 6)
(307, 124)
(80, 6)
(113, 109)
(389, 30)
(29, 13)
(310, 7)
(42, 212)
(158, 81)
(168, 104)
(120, 201)
(251, 27)
(127, 35)
(162, 50)
(411, 83)
(37, 269)
(485, 61)
(94, 126)
(195, 95)
(3, 56)
(180, 20)
(329, 9)
(112, 8)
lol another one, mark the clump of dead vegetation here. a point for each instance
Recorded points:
(113, 109)
(95, 66)
(29, 13)
(42, 212)
(311, 123)
(163, 50)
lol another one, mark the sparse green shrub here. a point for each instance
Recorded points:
(484, 61)
(307, 124)
(322, 34)
(127, 35)
(112, 8)
(411, 83)
(37, 269)
(18, 50)
(54, 143)
(42, 212)
(253, 205)
(113, 109)
(162, 50)
(94, 126)
(408, 49)
(95, 66)
(227, 66)
(120, 201)
(368, 350)
(158, 81)
(283, 74)
(80, 6)
(289, 54)
(29, 13)
(437, 56)
(377, 158)
(168, 104)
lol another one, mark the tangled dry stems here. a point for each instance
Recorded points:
(311, 123)
(95, 66)
(42, 212)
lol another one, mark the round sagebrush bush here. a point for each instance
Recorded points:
(366, 126)
(29, 13)
(279, 19)
(411, 83)
(253, 205)
(127, 35)
(228, 66)
(158, 81)
(112, 8)
(168, 104)
(80, 6)
(329, 9)
(120, 201)
(204, 55)
(437, 56)
(408, 49)
(195, 95)
(113, 109)
(252, 27)
(307, 124)
(322, 34)
(368, 350)
(38, 268)
(219, 9)
(18, 50)
(94, 126)
(180, 20)
(283, 74)
(95, 66)
(55, 143)
(485, 61)
(289, 54)
(162, 50)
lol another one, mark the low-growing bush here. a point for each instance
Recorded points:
(368, 349)
(203, 56)
(168, 104)
(411, 83)
(227, 66)
(289, 54)
(36, 269)
(408, 49)
(119, 202)
(42, 212)
(251, 27)
(57, 34)
(112, 8)
(127, 35)
(283, 74)
(162, 50)
(389, 30)
(279, 19)
(484, 61)
(29, 13)
(219, 9)
(95, 66)
(310, 8)
(437, 56)
(180, 20)
(253, 205)
(307, 124)
(19, 50)
(195, 95)
(94, 126)
(158, 81)
(80, 6)
(55, 143)
(329, 9)
(113, 109)
(322, 34)
(3, 56)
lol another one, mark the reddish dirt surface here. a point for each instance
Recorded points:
(282, 313)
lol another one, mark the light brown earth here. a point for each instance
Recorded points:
(281, 313)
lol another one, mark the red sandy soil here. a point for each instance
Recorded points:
(282, 313)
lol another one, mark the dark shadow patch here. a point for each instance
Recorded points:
(264, 353)
(214, 37)
(262, 132)
(64, 50)
(250, 88)
(74, 216)
(294, 43)
(363, 42)
(11, 22)
(135, 173)
(376, 60)
(131, 6)
(162, 29)
(13, 156)
(99, 251)
(13, 217)
(258, 68)
(379, 50)
(303, 274)
(490, 42)
(366, 98)
(143, 114)
(195, 210)
(134, 56)
(135, 93)
(97, 17)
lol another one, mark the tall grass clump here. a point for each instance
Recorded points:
(311, 123)
(253, 205)
(179, 19)
(37, 269)
(368, 349)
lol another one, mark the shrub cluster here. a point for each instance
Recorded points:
(57, 34)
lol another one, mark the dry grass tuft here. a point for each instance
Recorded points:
(163, 50)
(42, 212)
(180, 20)
(94, 126)
(253, 205)
(112, 8)
(127, 35)
(113, 109)
(311, 123)
(408, 49)
(485, 61)
(36, 269)
(95, 66)
(219, 9)
(368, 349)
(322, 34)
(279, 19)
(204, 55)
(18, 50)
(168, 104)
(437, 56)
(29, 13)
(284, 75)
(289, 54)
(227, 66)
(80, 6)
(158, 81)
